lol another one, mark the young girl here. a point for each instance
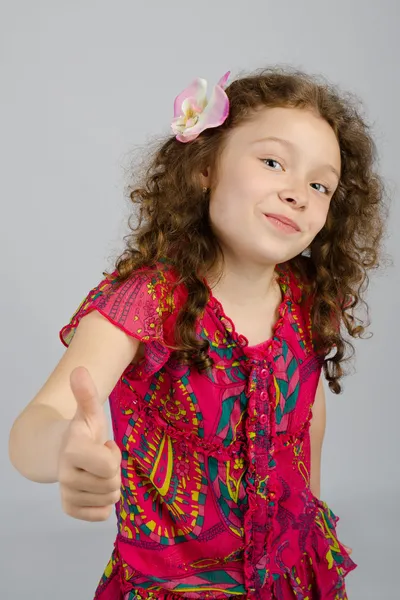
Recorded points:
(259, 219)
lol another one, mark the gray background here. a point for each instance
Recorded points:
(82, 84)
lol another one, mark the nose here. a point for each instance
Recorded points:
(296, 195)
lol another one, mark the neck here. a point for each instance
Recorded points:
(243, 283)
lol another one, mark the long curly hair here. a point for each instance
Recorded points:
(173, 217)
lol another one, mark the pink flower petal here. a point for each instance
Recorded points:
(224, 79)
(190, 105)
(186, 137)
(194, 99)
(213, 115)
(197, 89)
(216, 110)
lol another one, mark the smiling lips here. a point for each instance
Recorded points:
(283, 223)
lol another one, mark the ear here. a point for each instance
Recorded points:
(205, 178)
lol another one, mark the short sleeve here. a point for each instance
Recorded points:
(138, 306)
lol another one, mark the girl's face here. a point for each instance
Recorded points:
(284, 162)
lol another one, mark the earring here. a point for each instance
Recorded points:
(205, 190)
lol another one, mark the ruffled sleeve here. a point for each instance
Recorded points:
(139, 306)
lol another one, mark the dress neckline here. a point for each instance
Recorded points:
(283, 280)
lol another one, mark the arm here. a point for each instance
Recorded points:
(36, 435)
(317, 432)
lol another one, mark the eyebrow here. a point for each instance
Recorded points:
(291, 146)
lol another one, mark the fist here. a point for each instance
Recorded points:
(89, 465)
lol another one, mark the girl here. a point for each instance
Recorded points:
(259, 219)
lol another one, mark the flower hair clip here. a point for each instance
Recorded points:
(193, 113)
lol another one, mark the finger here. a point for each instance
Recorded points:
(86, 482)
(85, 393)
(91, 514)
(97, 459)
(87, 499)
(90, 411)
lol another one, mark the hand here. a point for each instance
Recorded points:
(89, 465)
(348, 550)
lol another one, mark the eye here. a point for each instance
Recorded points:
(271, 160)
(325, 190)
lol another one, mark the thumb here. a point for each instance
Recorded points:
(114, 450)
(89, 408)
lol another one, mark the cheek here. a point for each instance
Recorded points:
(319, 219)
(222, 210)
(230, 202)
(241, 178)
(236, 196)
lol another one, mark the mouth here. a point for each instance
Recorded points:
(283, 223)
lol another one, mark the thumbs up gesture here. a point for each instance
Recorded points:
(89, 463)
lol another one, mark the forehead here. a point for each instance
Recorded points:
(306, 131)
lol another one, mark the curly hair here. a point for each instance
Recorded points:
(173, 217)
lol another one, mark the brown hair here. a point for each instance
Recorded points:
(173, 219)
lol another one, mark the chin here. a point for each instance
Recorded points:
(276, 255)
(272, 258)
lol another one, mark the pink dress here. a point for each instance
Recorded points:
(215, 497)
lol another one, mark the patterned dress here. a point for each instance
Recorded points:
(215, 497)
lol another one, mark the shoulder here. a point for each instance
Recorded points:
(139, 303)
(157, 285)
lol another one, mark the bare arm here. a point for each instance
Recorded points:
(36, 434)
(317, 432)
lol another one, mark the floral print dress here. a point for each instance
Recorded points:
(215, 497)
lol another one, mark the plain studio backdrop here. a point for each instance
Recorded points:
(83, 84)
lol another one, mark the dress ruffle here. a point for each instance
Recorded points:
(320, 572)
(318, 575)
